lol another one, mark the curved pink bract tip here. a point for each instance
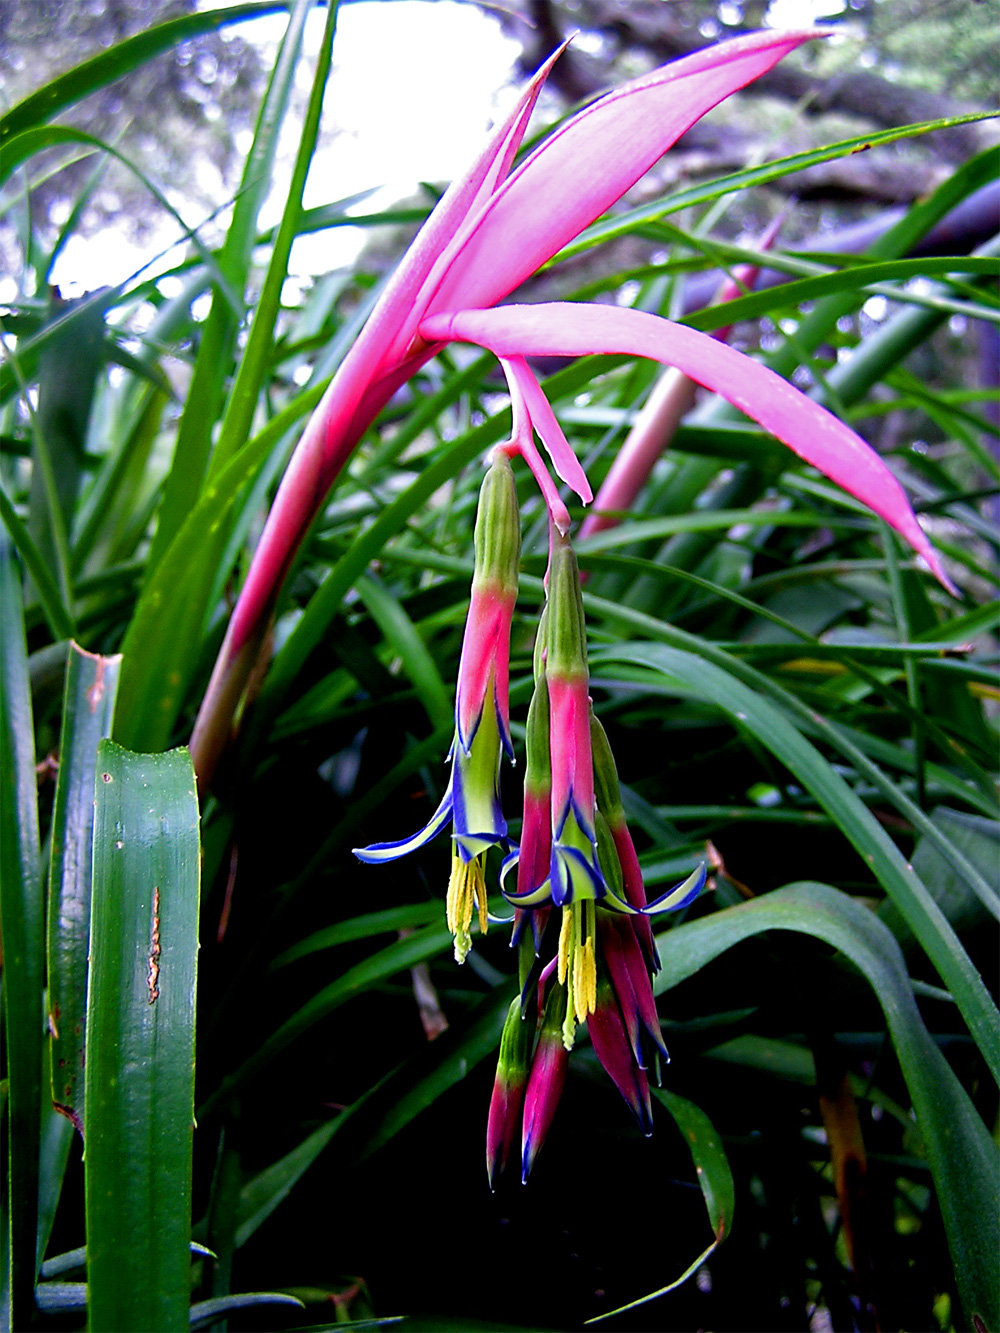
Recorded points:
(818, 437)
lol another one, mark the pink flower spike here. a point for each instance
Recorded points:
(489, 232)
(671, 399)
(589, 163)
(394, 320)
(809, 430)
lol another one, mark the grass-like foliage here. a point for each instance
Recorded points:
(279, 1070)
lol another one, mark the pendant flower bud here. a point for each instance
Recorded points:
(508, 1090)
(482, 722)
(545, 1082)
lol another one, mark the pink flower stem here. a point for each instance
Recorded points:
(522, 439)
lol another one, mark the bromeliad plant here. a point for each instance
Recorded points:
(490, 232)
(731, 660)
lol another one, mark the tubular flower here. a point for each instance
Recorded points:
(482, 724)
(491, 230)
(534, 855)
(508, 1090)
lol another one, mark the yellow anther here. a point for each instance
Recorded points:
(578, 966)
(565, 943)
(584, 980)
(466, 888)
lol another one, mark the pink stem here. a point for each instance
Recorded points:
(523, 440)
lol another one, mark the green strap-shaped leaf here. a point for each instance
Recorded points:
(139, 1096)
(774, 730)
(624, 223)
(400, 631)
(709, 1157)
(259, 348)
(23, 948)
(361, 928)
(217, 345)
(963, 1158)
(55, 610)
(161, 643)
(206, 1313)
(89, 703)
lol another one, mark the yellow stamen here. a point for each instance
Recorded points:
(584, 980)
(565, 938)
(467, 886)
(578, 966)
(585, 963)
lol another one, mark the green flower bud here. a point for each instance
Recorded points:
(498, 528)
(566, 631)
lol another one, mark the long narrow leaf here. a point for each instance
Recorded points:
(219, 336)
(23, 951)
(139, 1095)
(120, 59)
(88, 707)
(164, 633)
(259, 346)
(873, 844)
(714, 1177)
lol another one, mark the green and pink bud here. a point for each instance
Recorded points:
(545, 1082)
(508, 1091)
(483, 672)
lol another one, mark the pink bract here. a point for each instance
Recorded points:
(489, 232)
